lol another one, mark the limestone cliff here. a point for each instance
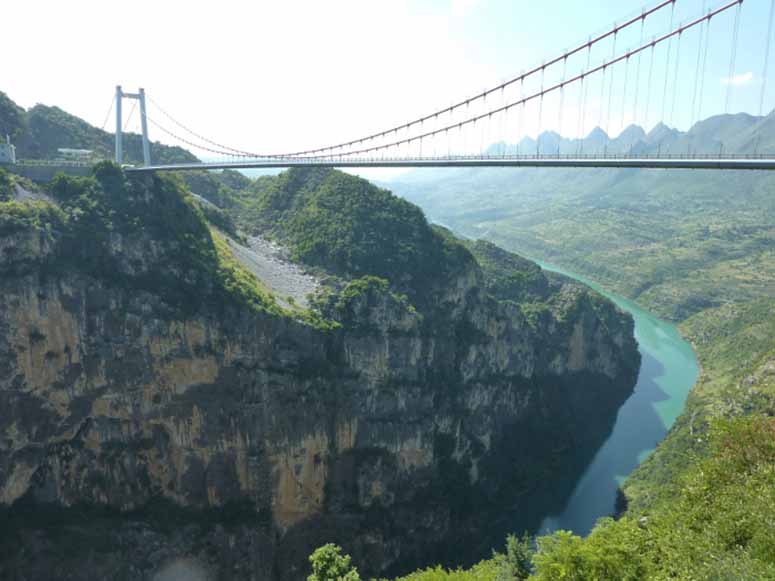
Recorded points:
(140, 430)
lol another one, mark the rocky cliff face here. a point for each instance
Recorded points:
(228, 443)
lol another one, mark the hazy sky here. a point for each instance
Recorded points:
(274, 76)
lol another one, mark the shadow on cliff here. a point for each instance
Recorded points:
(587, 487)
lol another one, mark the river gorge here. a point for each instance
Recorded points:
(668, 371)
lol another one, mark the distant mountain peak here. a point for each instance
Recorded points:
(632, 133)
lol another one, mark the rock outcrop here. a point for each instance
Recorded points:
(231, 442)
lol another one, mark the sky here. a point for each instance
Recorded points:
(283, 75)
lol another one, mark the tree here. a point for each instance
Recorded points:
(328, 564)
(517, 562)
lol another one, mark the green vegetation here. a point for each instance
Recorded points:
(508, 276)
(16, 217)
(39, 132)
(12, 118)
(349, 227)
(736, 348)
(719, 525)
(6, 186)
(677, 242)
(702, 506)
(181, 259)
(328, 564)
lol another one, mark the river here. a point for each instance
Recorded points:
(668, 371)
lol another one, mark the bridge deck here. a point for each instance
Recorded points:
(732, 162)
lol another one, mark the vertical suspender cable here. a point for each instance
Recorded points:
(667, 65)
(624, 91)
(610, 93)
(581, 117)
(702, 72)
(766, 59)
(520, 118)
(602, 99)
(732, 58)
(675, 77)
(562, 103)
(637, 76)
(697, 70)
(540, 115)
(648, 88)
(504, 122)
(584, 92)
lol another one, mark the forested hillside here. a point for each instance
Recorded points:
(40, 131)
(676, 241)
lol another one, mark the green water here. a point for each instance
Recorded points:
(668, 371)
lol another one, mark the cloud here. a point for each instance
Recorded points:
(738, 80)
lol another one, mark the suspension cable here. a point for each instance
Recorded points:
(637, 76)
(733, 57)
(675, 77)
(190, 143)
(766, 59)
(616, 29)
(540, 112)
(648, 84)
(131, 112)
(624, 90)
(584, 91)
(610, 95)
(562, 103)
(195, 134)
(110, 110)
(667, 67)
(555, 87)
(702, 73)
(697, 69)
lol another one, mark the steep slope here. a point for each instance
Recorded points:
(702, 505)
(158, 404)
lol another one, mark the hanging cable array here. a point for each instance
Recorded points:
(464, 103)
(478, 129)
(553, 88)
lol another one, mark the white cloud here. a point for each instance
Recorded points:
(738, 80)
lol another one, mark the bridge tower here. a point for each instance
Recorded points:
(140, 96)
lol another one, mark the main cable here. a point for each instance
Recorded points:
(603, 66)
(615, 30)
(238, 152)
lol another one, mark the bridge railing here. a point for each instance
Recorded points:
(527, 157)
(55, 163)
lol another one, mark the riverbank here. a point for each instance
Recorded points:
(669, 370)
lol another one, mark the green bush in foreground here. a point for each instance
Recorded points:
(328, 564)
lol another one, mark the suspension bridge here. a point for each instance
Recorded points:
(602, 83)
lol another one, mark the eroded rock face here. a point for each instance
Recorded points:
(392, 437)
